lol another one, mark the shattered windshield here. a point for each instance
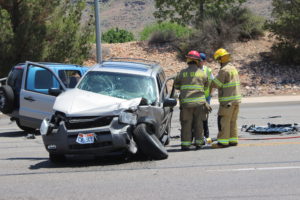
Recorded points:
(124, 86)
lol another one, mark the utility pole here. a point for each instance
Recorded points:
(98, 31)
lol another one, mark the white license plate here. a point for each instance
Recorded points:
(85, 138)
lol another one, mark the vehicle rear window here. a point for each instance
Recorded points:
(69, 77)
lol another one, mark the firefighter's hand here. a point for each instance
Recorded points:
(208, 107)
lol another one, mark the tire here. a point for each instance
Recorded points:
(25, 128)
(6, 99)
(148, 143)
(57, 158)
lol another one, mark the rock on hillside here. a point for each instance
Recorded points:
(259, 76)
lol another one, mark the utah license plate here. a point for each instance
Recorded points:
(85, 138)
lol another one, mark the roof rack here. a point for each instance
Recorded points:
(133, 60)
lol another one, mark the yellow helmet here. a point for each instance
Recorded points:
(222, 55)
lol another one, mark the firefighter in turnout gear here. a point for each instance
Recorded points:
(228, 84)
(192, 82)
(208, 90)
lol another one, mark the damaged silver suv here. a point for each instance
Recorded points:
(119, 106)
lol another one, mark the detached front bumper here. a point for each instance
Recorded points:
(110, 139)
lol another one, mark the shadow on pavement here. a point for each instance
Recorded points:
(83, 161)
(177, 148)
(27, 158)
(13, 134)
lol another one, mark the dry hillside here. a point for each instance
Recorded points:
(134, 15)
(259, 76)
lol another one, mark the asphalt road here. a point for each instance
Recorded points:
(256, 169)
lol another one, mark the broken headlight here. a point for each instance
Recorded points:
(46, 127)
(126, 117)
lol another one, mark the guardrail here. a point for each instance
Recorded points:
(2, 81)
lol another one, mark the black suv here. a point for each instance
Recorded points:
(118, 106)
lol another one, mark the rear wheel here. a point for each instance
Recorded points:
(57, 158)
(148, 143)
(25, 128)
(6, 99)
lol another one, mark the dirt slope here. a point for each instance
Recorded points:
(134, 15)
(259, 76)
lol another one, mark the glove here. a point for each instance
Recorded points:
(208, 107)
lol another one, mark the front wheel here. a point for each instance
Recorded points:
(148, 143)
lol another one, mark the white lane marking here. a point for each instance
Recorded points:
(254, 169)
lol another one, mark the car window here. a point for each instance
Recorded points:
(124, 86)
(161, 79)
(40, 80)
(69, 77)
(43, 79)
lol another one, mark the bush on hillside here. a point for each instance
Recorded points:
(286, 53)
(212, 36)
(162, 37)
(285, 27)
(220, 31)
(116, 35)
(250, 26)
(164, 32)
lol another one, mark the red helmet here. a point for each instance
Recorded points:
(193, 55)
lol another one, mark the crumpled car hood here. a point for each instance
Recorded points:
(76, 102)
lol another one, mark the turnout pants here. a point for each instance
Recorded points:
(205, 128)
(191, 120)
(227, 124)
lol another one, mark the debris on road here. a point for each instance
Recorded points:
(272, 128)
(277, 116)
(30, 136)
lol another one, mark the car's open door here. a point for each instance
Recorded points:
(35, 101)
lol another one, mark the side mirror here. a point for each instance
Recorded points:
(54, 91)
(169, 102)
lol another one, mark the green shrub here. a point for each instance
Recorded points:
(285, 26)
(250, 25)
(116, 35)
(221, 30)
(165, 31)
(286, 53)
(212, 35)
(161, 37)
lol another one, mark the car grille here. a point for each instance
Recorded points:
(89, 146)
(88, 122)
(98, 143)
(72, 136)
